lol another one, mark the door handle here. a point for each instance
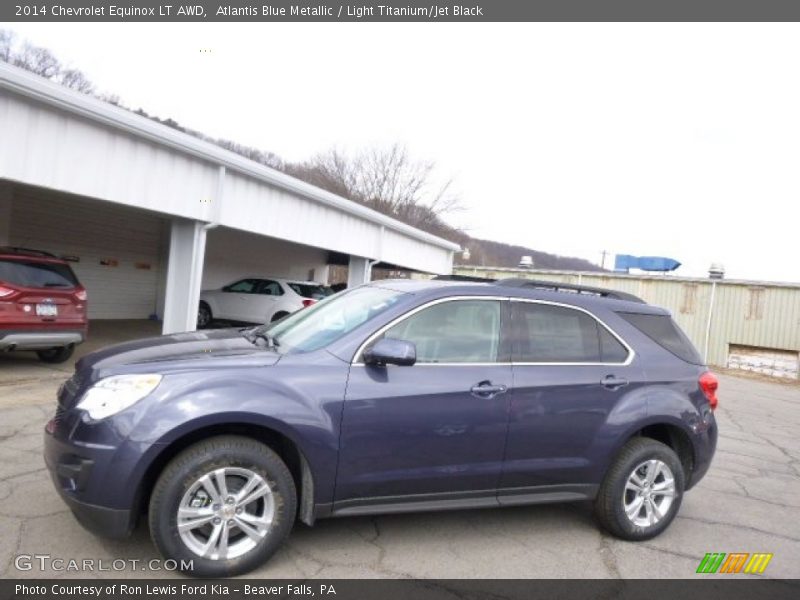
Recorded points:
(611, 382)
(486, 389)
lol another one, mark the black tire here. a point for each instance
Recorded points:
(204, 316)
(56, 355)
(609, 505)
(191, 464)
(278, 316)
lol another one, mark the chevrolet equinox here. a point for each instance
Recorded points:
(391, 397)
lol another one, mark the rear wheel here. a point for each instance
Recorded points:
(642, 491)
(204, 315)
(225, 504)
(55, 355)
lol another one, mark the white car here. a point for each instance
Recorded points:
(258, 300)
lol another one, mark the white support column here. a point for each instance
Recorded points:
(187, 250)
(359, 271)
(5, 214)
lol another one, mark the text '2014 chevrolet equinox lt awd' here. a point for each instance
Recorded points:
(393, 396)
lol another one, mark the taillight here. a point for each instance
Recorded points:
(5, 291)
(308, 302)
(709, 384)
(81, 295)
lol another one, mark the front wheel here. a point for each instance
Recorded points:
(222, 506)
(642, 491)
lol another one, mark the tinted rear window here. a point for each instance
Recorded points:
(34, 274)
(309, 290)
(666, 333)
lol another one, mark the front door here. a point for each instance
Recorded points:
(435, 431)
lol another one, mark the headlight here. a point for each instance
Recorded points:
(113, 394)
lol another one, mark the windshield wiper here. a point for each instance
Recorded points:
(254, 335)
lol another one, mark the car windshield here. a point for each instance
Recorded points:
(311, 290)
(328, 320)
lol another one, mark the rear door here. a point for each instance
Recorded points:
(569, 372)
(434, 431)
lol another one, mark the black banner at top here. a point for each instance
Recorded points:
(399, 11)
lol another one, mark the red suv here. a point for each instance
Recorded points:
(42, 304)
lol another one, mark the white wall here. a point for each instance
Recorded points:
(231, 254)
(96, 232)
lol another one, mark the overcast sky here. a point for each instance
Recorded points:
(648, 139)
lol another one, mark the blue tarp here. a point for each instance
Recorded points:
(623, 262)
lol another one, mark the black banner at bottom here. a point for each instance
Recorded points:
(411, 589)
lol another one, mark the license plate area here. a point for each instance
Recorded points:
(46, 310)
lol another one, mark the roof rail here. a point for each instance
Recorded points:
(468, 278)
(557, 286)
(25, 251)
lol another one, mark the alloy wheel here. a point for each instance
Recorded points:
(226, 513)
(649, 493)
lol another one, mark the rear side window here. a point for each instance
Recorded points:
(269, 288)
(309, 290)
(556, 334)
(34, 274)
(666, 333)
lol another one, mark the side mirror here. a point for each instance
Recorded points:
(388, 351)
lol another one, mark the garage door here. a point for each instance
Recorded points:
(769, 361)
(117, 249)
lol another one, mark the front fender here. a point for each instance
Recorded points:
(304, 405)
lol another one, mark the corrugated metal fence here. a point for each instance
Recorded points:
(752, 325)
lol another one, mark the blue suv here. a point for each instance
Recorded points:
(394, 396)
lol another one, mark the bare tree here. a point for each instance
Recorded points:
(260, 156)
(112, 99)
(76, 80)
(385, 179)
(6, 44)
(37, 60)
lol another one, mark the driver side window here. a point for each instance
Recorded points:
(457, 331)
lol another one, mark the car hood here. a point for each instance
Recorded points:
(196, 345)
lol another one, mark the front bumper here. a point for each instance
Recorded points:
(39, 340)
(111, 523)
(76, 470)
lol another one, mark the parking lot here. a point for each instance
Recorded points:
(749, 502)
